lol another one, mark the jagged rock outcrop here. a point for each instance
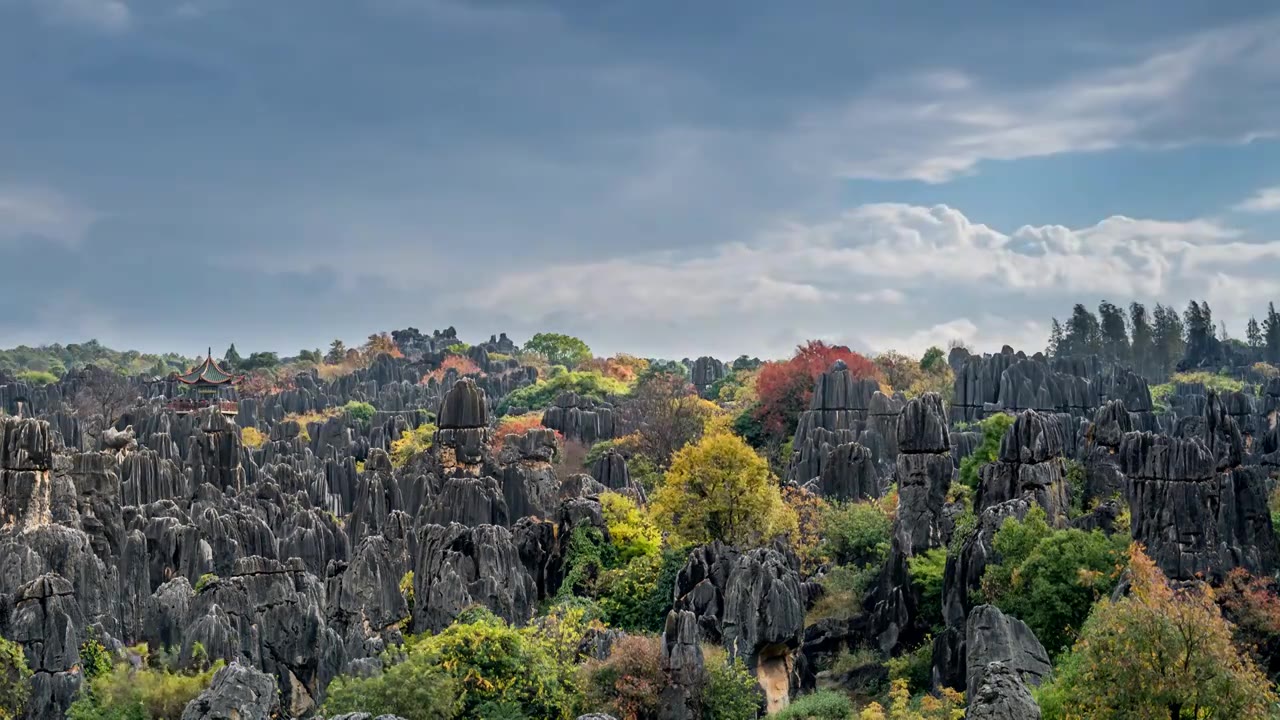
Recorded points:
(459, 566)
(581, 419)
(1001, 695)
(1029, 464)
(467, 501)
(682, 661)
(238, 692)
(47, 622)
(838, 414)
(705, 371)
(529, 483)
(991, 636)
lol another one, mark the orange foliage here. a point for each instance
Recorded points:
(379, 344)
(622, 367)
(460, 363)
(516, 425)
(785, 388)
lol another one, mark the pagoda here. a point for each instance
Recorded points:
(201, 386)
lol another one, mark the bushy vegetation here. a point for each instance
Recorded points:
(120, 691)
(360, 412)
(411, 443)
(559, 349)
(1051, 578)
(15, 678)
(993, 428)
(1157, 652)
(57, 360)
(252, 437)
(541, 394)
(927, 572)
(821, 705)
(719, 489)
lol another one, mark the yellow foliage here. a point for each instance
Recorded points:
(411, 443)
(719, 489)
(252, 437)
(949, 705)
(629, 529)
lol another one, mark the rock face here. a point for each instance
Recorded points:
(1195, 507)
(1030, 465)
(581, 419)
(47, 622)
(705, 372)
(924, 471)
(1001, 695)
(238, 692)
(682, 662)
(844, 410)
(460, 566)
(991, 636)
(752, 603)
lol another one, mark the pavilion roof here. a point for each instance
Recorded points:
(207, 372)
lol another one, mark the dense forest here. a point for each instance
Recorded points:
(428, 528)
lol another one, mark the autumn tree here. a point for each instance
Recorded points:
(899, 370)
(1157, 653)
(785, 388)
(719, 489)
(559, 349)
(380, 344)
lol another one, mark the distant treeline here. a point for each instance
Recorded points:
(1160, 342)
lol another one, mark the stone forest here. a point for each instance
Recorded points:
(427, 527)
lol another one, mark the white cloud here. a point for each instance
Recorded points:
(855, 272)
(1265, 200)
(937, 125)
(103, 15)
(27, 211)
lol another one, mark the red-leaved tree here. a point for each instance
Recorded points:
(785, 388)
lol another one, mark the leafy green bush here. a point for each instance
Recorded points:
(541, 394)
(821, 705)
(15, 677)
(1050, 578)
(856, 533)
(361, 412)
(37, 377)
(843, 588)
(411, 443)
(637, 596)
(415, 689)
(94, 658)
(731, 692)
(205, 581)
(629, 529)
(927, 572)
(993, 429)
(586, 556)
(915, 667)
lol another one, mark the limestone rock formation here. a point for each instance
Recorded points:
(1001, 695)
(991, 636)
(238, 692)
(459, 566)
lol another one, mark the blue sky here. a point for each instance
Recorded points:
(663, 178)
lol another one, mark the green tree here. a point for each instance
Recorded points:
(931, 358)
(337, 352)
(1050, 578)
(559, 349)
(415, 689)
(720, 489)
(993, 428)
(15, 680)
(1157, 654)
(856, 533)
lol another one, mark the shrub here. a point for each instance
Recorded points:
(1253, 606)
(515, 425)
(629, 682)
(559, 349)
(459, 364)
(821, 705)
(142, 693)
(1049, 578)
(541, 394)
(947, 705)
(1156, 653)
(15, 680)
(808, 538)
(915, 667)
(37, 377)
(638, 596)
(411, 443)
(843, 587)
(856, 533)
(731, 692)
(204, 581)
(993, 429)
(586, 556)
(361, 412)
(927, 572)
(415, 689)
(94, 658)
(631, 532)
(406, 589)
(252, 437)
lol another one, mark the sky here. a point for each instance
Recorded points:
(669, 179)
